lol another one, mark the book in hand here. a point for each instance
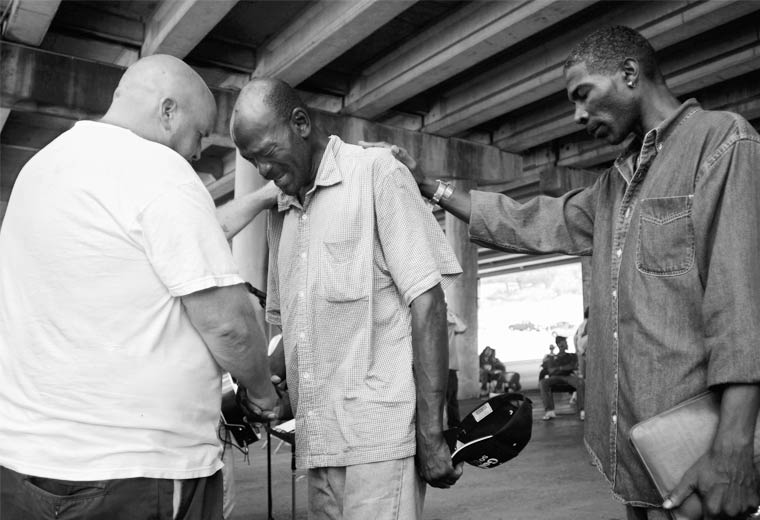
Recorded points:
(671, 442)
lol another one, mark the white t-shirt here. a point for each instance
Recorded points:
(102, 375)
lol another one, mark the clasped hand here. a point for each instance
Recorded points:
(261, 410)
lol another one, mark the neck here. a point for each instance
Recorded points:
(129, 120)
(658, 106)
(317, 146)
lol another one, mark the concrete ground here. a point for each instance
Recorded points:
(551, 479)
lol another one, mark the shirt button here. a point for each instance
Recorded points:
(304, 216)
(303, 255)
(300, 294)
(302, 335)
(628, 213)
(310, 413)
(614, 335)
(619, 252)
(306, 375)
(659, 147)
(614, 418)
(614, 294)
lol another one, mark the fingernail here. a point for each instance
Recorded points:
(394, 149)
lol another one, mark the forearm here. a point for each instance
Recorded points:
(431, 361)
(459, 204)
(223, 316)
(738, 416)
(239, 212)
(244, 355)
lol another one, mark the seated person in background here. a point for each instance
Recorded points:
(562, 370)
(548, 359)
(491, 372)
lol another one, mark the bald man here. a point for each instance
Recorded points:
(120, 306)
(356, 268)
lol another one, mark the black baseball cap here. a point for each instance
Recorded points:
(493, 433)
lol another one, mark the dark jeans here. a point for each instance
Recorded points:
(24, 497)
(452, 404)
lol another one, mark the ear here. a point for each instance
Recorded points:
(301, 122)
(631, 72)
(168, 109)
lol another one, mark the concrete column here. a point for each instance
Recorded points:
(587, 281)
(249, 247)
(462, 298)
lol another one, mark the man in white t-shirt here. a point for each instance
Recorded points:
(120, 307)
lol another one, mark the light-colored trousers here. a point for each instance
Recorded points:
(390, 490)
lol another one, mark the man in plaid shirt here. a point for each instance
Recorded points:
(357, 266)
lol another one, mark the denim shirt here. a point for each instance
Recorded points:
(675, 302)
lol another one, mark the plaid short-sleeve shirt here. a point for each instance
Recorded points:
(344, 268)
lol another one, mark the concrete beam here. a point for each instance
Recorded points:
(555, 120)
(34, 80)
(83, 90)
(177, 27)
(107, 52)
(469, 36)
(323, 32)
(537, 73)
(29, 20)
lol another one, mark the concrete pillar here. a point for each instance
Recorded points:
(249, 247)
(462, 298)
(587, 281)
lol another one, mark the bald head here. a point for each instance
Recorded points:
(162, 99)
(261, 98)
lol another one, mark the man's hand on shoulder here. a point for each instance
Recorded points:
(434, 462)
(399, 153)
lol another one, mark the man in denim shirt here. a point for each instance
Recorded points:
(674, 228)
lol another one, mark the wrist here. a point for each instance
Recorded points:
(428, 187)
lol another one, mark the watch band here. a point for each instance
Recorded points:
(444, 190)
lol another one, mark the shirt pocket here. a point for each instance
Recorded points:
(666, 236)
(343, 276)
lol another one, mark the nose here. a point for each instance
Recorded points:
(581, 116)
(264, 168)
(197, 152)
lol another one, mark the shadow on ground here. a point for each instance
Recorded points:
(551, 479)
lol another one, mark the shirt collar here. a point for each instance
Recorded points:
(653, 140)
(328, 174)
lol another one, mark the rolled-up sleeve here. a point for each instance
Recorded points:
(727, 206)
(542, 225)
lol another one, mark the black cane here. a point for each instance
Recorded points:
(269, 474)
